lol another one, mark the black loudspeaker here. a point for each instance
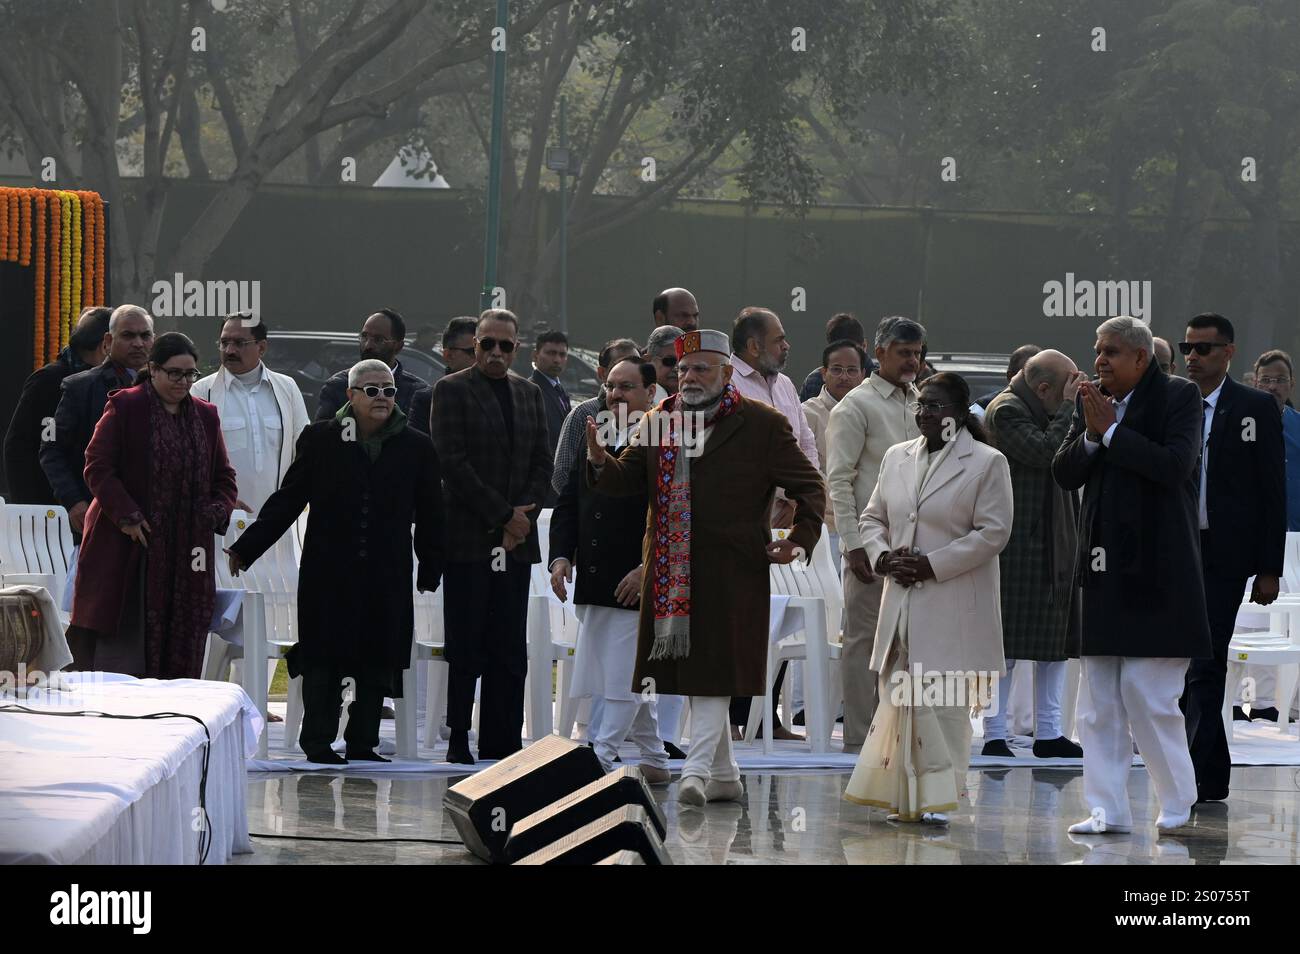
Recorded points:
(624, 829)
(484, 806)
(624, 786)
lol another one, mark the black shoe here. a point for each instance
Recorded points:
(998, 749)
(366, 755)
(387, 712)
(798, 718)
(1239, 714)
(458, 748)
(1210, 795)
(1058, 748)
(1268, 715)
(673, 751)
(326, 757)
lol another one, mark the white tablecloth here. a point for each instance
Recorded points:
(78, 790)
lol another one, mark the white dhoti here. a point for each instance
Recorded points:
(1141, 694)
(604, 662)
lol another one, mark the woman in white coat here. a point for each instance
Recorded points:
(939, 517)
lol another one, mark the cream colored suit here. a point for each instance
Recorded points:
(961, 521)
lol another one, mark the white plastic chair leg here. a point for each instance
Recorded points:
(538, 704)
(293, 715)
(404, 710)
(818, 717)
(216, 659)
(435, 702)
(1287, 678)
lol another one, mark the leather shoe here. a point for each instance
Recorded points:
(1058, 748)
(998, 749)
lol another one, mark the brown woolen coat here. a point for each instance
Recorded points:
(746, 457)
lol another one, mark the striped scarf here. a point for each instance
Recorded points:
(671, 584)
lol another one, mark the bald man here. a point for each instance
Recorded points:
(1028, 422)
(677, 307)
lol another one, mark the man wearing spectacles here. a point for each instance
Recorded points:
(489, 428)
(1274, 374)
(1242, 513)
(661, 351)
(382, 338)
(372, 490)
(262, 412)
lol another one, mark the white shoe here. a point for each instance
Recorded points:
(654, 775)
(934, 818)
(1168, 822)
(723, 791)
(1095, 826)
(690, 791)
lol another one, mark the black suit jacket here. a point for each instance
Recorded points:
(1245, 490)
(81, 405)
(599, 534)
(334, 393)
(486, 474)
(1139, 558)
(26, 481)
(557, 408)
(421, 409)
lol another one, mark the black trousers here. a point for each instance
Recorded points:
(485, 617)
(322, 700)
(1202, 701)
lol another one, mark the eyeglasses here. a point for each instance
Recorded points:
(240, 343)
(918, 406)
(625, 387)
(1268, 381)
(668, 360)
(365, 339)
(697, 368)
(836, 371)
(177, 375)
(488, 344)
(1200, 347)
(374, 390)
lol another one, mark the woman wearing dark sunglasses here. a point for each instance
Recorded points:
(367, 478)
(163, 486)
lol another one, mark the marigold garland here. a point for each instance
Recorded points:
(65, 272)
(63, 235)
(75, 303)
(56, 255)
(38, 349)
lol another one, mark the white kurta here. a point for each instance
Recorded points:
(606, 655)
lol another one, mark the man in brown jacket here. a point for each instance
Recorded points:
(710, 461)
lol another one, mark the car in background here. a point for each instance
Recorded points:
(312, 357)
(983, 372)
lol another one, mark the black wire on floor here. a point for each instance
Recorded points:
(418, 841)
(205, 832)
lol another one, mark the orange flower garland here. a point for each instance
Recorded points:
(25, 238)
(64, 235)
(56, 255)
(41, 238)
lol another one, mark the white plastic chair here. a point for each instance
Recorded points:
(552, 643)
(815, 591)
(275, 577)
(1277, 645)
(36, 547)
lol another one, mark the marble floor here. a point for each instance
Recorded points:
(1014, 816)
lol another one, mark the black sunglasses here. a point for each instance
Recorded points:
(669, 360)
(374, 390)
(505, 344)
(1200, 347)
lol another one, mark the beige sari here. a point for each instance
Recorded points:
(916, 754)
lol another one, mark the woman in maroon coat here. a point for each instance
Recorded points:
(163, 487)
